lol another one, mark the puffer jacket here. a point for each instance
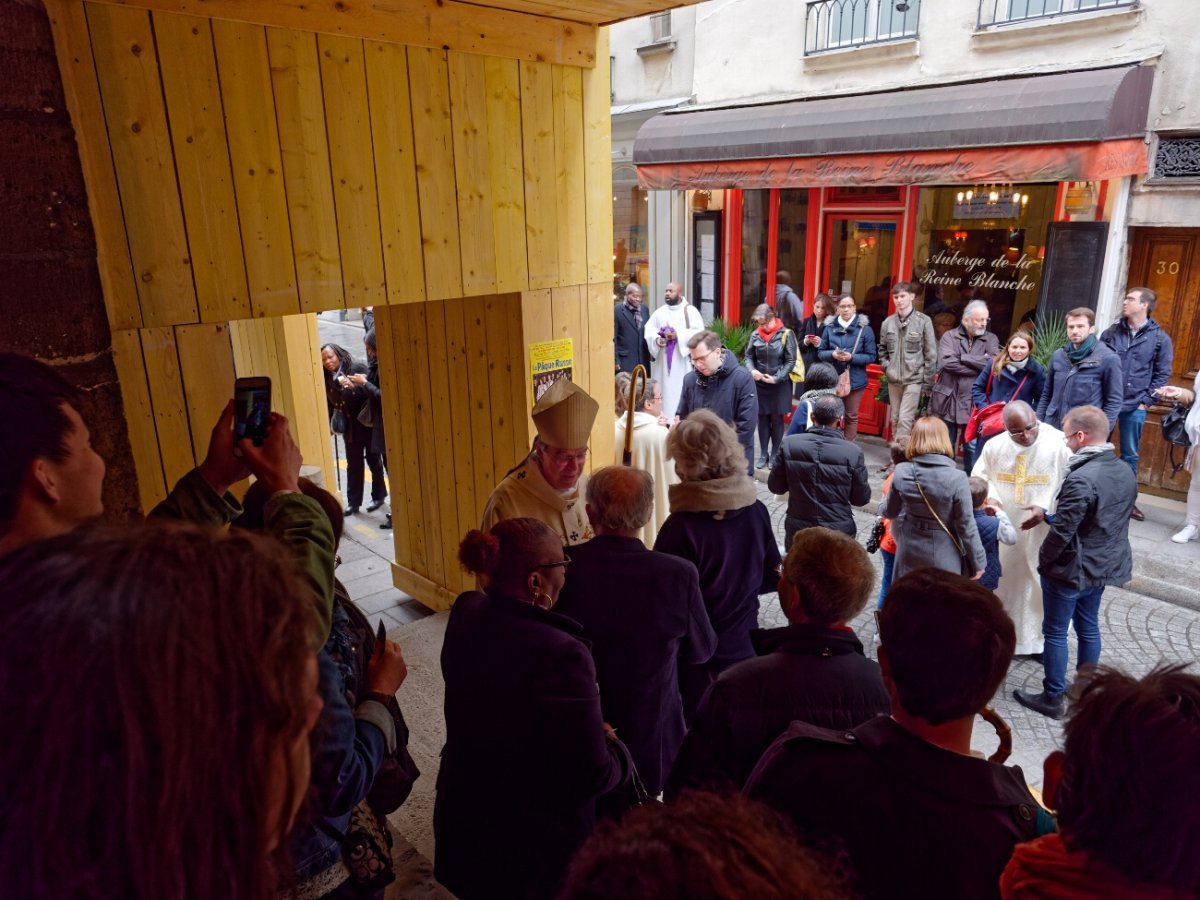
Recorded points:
(835, 337)
(909, 354)
(1088, 541)
(823, 475)
(807, 672)
(1146, 360)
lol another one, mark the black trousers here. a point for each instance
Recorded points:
(356, 452)
(770, 432)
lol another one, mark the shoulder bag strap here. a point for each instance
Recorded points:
(949, 533)
(1017, 391)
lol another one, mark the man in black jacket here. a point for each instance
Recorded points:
(822, 473)
(718, 383)
(629, 319)
(812, 669)
(1087, 548)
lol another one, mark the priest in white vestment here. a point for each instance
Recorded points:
(549, 484)
(1024, 466)
(667, 333)
(648, 450)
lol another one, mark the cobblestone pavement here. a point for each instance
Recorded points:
(1137, 632)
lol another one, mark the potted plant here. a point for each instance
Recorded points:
(733, 337)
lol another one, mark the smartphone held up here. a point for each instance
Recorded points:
(252, 409)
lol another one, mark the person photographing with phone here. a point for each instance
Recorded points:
(349, 416)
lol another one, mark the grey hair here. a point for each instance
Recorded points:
(973, 307)
(763, 310)
(620, 498)
(704, 447)
(827, 410)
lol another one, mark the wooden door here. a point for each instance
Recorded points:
(1167, 260)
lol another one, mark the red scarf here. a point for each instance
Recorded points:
(1045, 869)
(767, 335)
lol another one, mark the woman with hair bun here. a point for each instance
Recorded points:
(527, 752)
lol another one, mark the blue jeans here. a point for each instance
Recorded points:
(889, 562)
(1062, 605)
(1130, 425)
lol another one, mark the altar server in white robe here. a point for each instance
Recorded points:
(667, 333)
(648, 448)
(1024, 466)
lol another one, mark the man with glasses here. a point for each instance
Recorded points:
(1024, 466)
(718, 383)
(548, 484)
(1146, 355)
(1085, 550)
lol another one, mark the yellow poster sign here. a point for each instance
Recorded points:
(548, 362)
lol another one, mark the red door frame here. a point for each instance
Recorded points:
(901, 231)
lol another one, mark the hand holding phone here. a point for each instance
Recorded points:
(252, 407)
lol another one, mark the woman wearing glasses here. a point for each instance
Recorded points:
(527, 752)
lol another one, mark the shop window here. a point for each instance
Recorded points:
(1177, 157)
(984, 242)
(780, 216)
(756, 207)
(631, 256)
(835, 24)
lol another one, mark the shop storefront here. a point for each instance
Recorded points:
(1012, 191)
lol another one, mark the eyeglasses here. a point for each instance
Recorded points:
(565, 457)
(706, 355)
(1030, 429)
(561, 564)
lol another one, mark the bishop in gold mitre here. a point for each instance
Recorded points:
(549, 483)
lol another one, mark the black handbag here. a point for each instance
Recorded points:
(877, 532)
(1174, 432)
(337, 422)
(629, 794)
(365, 417)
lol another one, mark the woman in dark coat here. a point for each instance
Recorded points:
(809, 334)
(343, 393)
(370, 384)
(849, 343)
(928, 498)
(526, 754)
(1013, 375)
(719, 524)
(770, 358)
(821, 381)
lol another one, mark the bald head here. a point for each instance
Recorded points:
(620, 500)
(1021, 422)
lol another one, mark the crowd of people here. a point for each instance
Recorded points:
(196, 708)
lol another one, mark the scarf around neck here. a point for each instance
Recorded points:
(1082, 352)
(717, 495)
(1084, 452)
(766, 334)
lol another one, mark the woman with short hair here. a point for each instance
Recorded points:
(770, 358)
(929, 503)
(718, 523)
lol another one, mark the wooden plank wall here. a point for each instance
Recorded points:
(243, 172)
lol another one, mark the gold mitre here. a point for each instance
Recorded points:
(564, 415)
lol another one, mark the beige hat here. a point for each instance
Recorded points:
(564, 415)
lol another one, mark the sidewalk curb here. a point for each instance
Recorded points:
(1157, 586)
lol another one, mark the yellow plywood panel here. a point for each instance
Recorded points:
(348, 120)
(566, 310)
(440, 472)
(304, 148)
(441, 24)
(306, 391)
(72, 44)
(416, 347)
(257, 167)
(432, 134)
(505, 385)
(416, 585)
(395, 171)
(502, 79)
(472, 445)
(189, 77)
(480, 414)
(139, 418)
(168, 402)
(598, 313)
(401, 405)
(390, 376)
(541, 192)
(536, 325)
(127, 67)
(597, 155)
(472, 172)
(206, 369)
(569, 175)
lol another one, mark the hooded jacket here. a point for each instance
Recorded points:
(729, 392)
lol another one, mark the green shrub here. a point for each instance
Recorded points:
(1049, 333)
(733, 337)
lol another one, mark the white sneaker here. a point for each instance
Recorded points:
(1189, 533)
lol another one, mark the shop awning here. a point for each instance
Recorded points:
(1066, 126)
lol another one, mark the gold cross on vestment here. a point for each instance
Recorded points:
(1021, 479)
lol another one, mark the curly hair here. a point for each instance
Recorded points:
(705, 447)
(702, 847)
(149, 709)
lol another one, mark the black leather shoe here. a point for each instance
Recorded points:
(351, 510)
(1047, 704)
(374, 505)
(1137, 515)
(387, 526)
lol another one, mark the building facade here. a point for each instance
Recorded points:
(1040, 154)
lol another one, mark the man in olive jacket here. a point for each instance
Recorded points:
(1086, 549)
(822, 473)
(908, 351)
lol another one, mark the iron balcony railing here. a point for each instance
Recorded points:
(837, 24)
(1003, 12)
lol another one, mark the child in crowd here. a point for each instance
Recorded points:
(994, 527)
